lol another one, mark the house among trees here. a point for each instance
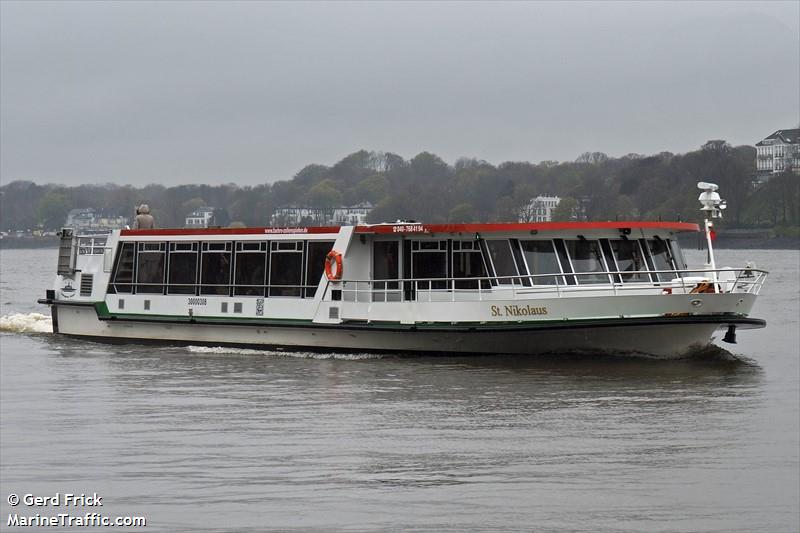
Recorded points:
(778, 152)
(200, 218)
(540, 209)
(321, 216)
(353, 215)
(87, 218)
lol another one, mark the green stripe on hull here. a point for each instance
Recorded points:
(104, 314)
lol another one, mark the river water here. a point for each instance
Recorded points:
(206, 439)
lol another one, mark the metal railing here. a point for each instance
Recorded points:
(728, 280)
(212, 289)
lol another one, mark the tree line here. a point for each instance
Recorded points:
(426, 188)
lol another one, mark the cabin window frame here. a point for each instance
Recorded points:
(173, 249)
(278, 248)
(457, 247)
(209, 248)
(663, 277)
(556, 275)
(113, 281)
(390, 289)
(427, 247)
(92, 244)
(241, 250)
(562, 254)
(150, 247)
(516, 279)
(599, 273)
(646, 275)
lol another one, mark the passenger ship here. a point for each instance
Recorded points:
(602, 287)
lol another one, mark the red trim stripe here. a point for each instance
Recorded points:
(413, 228)
(511, 227)
(228, 231)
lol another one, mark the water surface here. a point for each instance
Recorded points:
(214, 439)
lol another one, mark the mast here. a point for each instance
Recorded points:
(712, 207)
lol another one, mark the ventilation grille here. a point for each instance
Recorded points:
(333, 313)
(86, 284)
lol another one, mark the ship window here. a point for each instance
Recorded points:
(91, 245)
(609, 256)
(628, 256)
(661, 258)
(385, 266)
(150, 267)
(315, 264)
(540, 257)
(286, 269)
(182, 271)
(677, 254)
(250, 273)
(287, 246)
(215, 268)
(429, 260)
(468, 263)
(587, 259)
(123, 270)
(563, 259)
(216, 246)
(502, 260)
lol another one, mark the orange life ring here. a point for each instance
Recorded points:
(333, 259)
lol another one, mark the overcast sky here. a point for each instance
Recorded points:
(250, 92)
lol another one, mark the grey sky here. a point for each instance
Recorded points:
(214, 92)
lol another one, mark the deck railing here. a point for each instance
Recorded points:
(728, 280)
(741, 281)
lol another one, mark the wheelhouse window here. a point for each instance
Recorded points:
(250, 273)
(429, 261)
(502, 259)
(215, 268)
(182, 274)
(122, 278)
(587, 258)
(662, 258)
(315, 264)
(540, 258)
(677, 254)
(468, 263)
(286, 268)
(150, 259)
(629, 257)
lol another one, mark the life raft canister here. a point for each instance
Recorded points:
(333, 265)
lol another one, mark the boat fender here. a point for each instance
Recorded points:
(333, 265)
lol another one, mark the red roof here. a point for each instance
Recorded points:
(532, 226)
(415, 228)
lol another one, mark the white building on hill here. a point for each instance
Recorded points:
(540, 209)
(778, 152)
(321, 216)
(200, 218)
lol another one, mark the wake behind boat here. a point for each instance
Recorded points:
(607, 287)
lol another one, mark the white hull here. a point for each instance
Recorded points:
(659, 340)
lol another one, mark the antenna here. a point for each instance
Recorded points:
(710, 199)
